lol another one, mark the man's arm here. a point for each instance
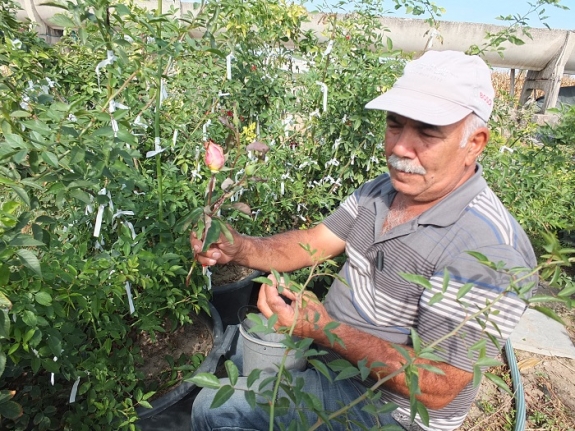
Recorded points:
(437, 390)
(282, 252)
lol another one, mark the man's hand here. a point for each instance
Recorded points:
(220, 252)
(308, 313)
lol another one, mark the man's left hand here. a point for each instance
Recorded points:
(305, 309)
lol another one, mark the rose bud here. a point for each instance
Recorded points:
(214, 157)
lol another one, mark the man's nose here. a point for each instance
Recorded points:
(404, 143)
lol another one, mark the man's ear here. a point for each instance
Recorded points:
(477, 142)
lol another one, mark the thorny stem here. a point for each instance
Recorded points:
(210, 191)
(299, 298)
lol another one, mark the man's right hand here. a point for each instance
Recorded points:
(220, 252)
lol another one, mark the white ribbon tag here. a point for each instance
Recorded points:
(205, 130)
(323, 87)
(157, 148)
(74, 391)
(109, 60)
(229, 58)
(52, 374)
(328, 49)
(129, 293)
(206, 271)
(175, 138)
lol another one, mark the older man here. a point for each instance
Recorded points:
(422, 218)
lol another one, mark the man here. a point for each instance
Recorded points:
(422, 218)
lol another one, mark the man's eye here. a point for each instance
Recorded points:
(429, 134)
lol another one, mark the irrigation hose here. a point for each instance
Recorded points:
(517, 387)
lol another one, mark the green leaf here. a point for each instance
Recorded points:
(122, 9)
(29, 318)
(30, 260)
(416, 341)
(2, 363)
(488, 362)
(347, 373)
(321, 367)
(499, 382)
(22, 193)
(263, 280)
(464, 290)
(567, 291)
(543, 298)
(431, 369)
(20, 114)
(50, 158)
(549, 313)
(4, 324)
(4, 180)
(43, 298)
(10, 410)
(223, 394)
(233, 372)
(205, 380)
(417, 279)
(61, 20)
(145, 404)
(253, 377)
(436, 298)
(25, 241)
(38, 126)
(423, 413)
(4, 301)
(212, 235)
(477, 376)
(226, 231)
(81, 195)
(339, 364)
(250, 398)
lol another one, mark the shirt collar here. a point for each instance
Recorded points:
(449, 209)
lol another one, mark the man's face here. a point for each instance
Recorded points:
(426, 162)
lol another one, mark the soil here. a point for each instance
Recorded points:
(189, 344)
(183, 343)
(226, 274)
(548, 386)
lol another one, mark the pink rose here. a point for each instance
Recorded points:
(214, 157)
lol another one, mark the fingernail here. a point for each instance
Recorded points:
(217, 255)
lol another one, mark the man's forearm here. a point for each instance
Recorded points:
(288, 251)
(282, 252)
(437, 390)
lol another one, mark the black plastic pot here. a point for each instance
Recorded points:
(172, 411)
(229, 298)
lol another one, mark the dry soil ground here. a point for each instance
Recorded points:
(549, 388)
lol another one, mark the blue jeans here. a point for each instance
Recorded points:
(237, 415)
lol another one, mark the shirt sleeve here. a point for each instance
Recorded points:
(476, 303)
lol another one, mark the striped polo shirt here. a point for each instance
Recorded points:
(379, 301)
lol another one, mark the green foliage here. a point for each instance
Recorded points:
(533, 178)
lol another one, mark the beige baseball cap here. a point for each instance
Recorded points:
(440, 88)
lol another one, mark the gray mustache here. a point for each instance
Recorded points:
(405, 165)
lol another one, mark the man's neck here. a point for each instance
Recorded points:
(403, 210)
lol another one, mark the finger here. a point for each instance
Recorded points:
(288, 294)
(262, 303)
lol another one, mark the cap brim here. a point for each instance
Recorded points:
(419, 106)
